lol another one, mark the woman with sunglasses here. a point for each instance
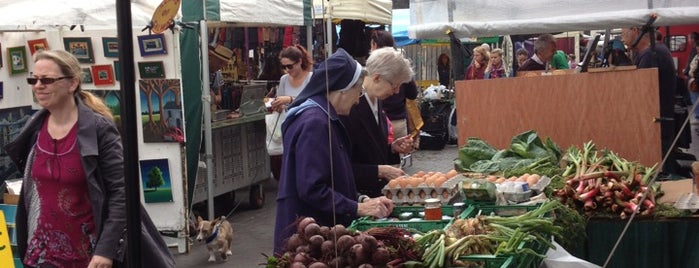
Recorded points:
(72, 210)
(297, 64)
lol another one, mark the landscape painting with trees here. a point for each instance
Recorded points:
(161, 110)
(155, 180)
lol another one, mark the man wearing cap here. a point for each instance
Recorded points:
(317, 179)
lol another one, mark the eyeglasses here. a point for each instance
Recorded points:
(288, 66)
(45, 80)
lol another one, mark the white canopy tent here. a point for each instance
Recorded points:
(431, 19)
(46, 14)
(370, 11)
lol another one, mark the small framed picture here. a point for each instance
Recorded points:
(110, 46)
(117, 70)
(17, 60)
(2, 91)
(102, 75)
(0, 55)
(151, 69)
(87, 76)
(152, 45)
(37, 45)
(80, 47)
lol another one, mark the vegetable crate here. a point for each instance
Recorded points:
(488, 261)
(365, 223)
(521, 260)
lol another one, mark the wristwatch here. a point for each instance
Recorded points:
(362, 198)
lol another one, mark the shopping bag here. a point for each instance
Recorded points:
(274, 132)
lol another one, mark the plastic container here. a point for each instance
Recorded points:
(480, 190)
(420, 225)
(488, 261)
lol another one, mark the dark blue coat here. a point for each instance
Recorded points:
(313, 156)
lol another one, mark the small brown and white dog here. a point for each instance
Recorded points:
(218, 235)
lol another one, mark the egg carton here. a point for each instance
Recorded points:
(416, 195)
(688, 201)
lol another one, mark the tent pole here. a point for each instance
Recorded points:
(328, 36)
(206, 111)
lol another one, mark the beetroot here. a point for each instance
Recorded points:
(327, 248)
(366, 265)
(294, 242)
(297, 265)
(325, 232)
(338, 230)
(318, 265)
(344, 243)
(358, 254)
(303, 223)
(380, 256)
(311, 230)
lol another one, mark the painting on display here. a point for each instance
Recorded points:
(156, 181)
(80, 47)
(151, 69)
(161, 110)
(87, 76)
(11, 122)
(152, 45)
(112, 98)
(110, 45)
(17, 60)
(37, 45)
(102, 75)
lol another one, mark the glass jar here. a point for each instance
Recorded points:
(433, 209)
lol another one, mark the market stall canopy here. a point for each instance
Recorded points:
(369, 11)
(248, 13)
(92, 14)
(431, 19)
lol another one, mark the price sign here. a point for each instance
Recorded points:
(6, 259)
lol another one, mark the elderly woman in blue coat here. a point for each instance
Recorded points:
(317, 179)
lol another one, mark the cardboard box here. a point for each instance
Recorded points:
(12, 199)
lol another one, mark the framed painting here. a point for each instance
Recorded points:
(87, 76)
(102, 75)
(80, 47)
(0, 55)
(111, 47)
(151, 69)
(17, 60)
(1, 90)
(37, 45)
(152, 45)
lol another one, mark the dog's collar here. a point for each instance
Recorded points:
(214, 234)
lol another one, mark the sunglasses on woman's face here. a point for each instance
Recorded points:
(45, 80)
(288, 66)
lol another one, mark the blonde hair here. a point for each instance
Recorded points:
(483, 51)
(70, 66)
(390, 64)
(496, 51)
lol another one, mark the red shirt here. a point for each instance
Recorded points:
(65, 231)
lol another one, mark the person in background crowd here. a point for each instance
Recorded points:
(72, 207)
(372, 155)
(544, 48)
(693, 75)
(522, 56)
(693, 37)
(495, 69)
(659, 58)
(298, 64)
(480, 61)
(444, 70)
(559, 61)
(317, 179)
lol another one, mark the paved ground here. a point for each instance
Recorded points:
(254, 229)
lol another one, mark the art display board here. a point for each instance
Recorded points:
(615, 110)
(167, 216)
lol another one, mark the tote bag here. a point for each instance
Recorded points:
(274, 132)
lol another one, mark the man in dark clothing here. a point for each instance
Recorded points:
(544, 49)
(659, 57)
